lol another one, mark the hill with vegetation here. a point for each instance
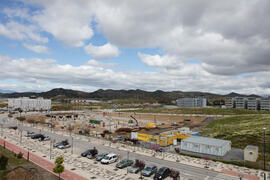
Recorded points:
(164, 97)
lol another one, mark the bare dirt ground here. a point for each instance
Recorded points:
(189, 121)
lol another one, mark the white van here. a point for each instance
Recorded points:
(110, 158)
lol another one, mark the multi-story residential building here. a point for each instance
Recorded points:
(230, 103)
(240, 102)
(27, 104)
(253, 103)
(191, 102)
(265, 104)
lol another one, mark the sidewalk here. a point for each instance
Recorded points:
(67, 175)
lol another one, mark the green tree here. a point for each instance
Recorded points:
(3, 162)
(21, 118)
(59, 167)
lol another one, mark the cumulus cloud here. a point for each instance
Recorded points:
(229, 38)
(105, 51)
(94, 75)
(160, 61)
(37, 48)
(68, 21)
(17, 31)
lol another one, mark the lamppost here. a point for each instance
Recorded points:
(240, 176)
(72, 145)
(50, 149)
(264, 149)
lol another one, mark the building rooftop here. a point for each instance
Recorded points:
(206, 141)
(250, 147)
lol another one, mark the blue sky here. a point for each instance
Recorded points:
(177, 45)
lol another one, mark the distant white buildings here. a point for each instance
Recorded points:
(195, 102)
(27, 104)
(251, 103)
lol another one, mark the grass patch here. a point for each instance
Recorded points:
(242, 130)
(12, 157)
(208, 111)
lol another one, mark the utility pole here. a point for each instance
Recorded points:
(50, 149)
(264, 149)
(72, 145)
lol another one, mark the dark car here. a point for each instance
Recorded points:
(85, 153)
(124, 163)
(37, 136)
(149, 170)
(162, 173)
(29, 134)
(99, 157)
(13, 127)
(62, 144)
(134, 169)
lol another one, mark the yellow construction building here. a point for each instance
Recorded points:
(163, 138)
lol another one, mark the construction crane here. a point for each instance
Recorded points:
(137, 124)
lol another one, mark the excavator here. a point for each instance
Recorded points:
(137, 124)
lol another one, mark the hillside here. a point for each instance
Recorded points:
(109, 94)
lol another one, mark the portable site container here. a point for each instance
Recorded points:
(206, 145)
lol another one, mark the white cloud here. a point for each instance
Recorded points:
(94, 75)
(37, 48)
(160, 61)
(68, 21)
(17, 31)
(105, 51)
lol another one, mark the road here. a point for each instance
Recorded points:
(187, 171)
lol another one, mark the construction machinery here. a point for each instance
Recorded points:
(137, 124)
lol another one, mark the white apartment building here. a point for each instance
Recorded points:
(240, 102)
(265, 104)
(27, 104)
(253, 103)
(191, 102)
(230, 103)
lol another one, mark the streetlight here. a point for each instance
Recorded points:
(240, 176)
(264, 148)
(72, 145)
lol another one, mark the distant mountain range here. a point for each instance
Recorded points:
(109, 94)
(5, 91)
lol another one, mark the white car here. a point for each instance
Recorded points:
(110, 158)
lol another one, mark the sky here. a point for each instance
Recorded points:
(186, 45)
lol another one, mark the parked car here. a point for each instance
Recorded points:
(162, 173)
(124, 163)
(118, 138)
(90, 156)
(29, 134)
(44, 138)
(85, 153)
(134, 169)
(37, 136)
(149, 170)
(99, 157)
(13, 127)
(62, 145)
(110, 158)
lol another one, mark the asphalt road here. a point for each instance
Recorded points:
(80, 146)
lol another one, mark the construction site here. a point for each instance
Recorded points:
(152, 129)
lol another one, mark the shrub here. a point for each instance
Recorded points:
(3, 162)
(20, 155)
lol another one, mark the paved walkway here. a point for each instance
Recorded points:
(245, 176)
(67, 175)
